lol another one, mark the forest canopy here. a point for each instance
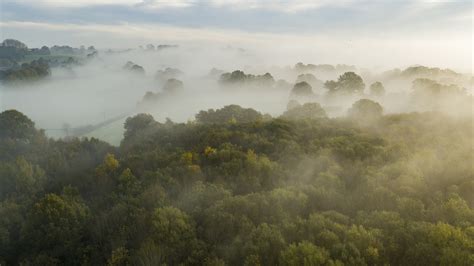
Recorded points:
(237, 187)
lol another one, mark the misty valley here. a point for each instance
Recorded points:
(170, 154)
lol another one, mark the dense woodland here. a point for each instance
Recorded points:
(237, 187)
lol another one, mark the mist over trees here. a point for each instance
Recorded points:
(239, 78)
(377, 89)
(35, 70)
(347, 83)
(134, 68)
(305, 164)
(239, 187)
(302, 89)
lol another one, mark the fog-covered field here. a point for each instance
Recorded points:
(100, 89)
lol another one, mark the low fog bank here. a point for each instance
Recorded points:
(96, 94)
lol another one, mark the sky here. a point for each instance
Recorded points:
(369, 33)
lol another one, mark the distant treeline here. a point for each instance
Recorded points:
(34, 70)
(16, 50)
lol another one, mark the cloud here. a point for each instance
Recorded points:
(273, 5)
(280, 5)
(154, 32)
(441, 26)
(276, 48)
(159, 4)
(72, 3)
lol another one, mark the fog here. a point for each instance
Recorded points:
(99, 89)
(236, 132)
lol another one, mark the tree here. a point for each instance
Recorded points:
(238, 77)
(20, 179)
(11, 225)
(173, 230)
(305, 111)
(310, 79)
(430, 89)
(331, 85)
(14, 43)
(302, 89)
(347, 83)
(134, 68)
(300, 67)
(264, 245)
(56, 228)
(128, 184)
(119, 257)
(137, 123)
(305, 254)
(34, 70)
(365, 110)
(173, 85)
(15, 125)
(236, 187)
(137, 69)
(234, 77)
(377, 89)
(229, 113)
(168, 73)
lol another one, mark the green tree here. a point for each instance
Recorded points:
(56, 227)
(138, 123)
(173, 230)
(266, 243)
(302, 89)
(173, 86)
(20, 179)
(229, 113)
(305, 111)
(15, 125)
(377, 89)
(305, 254)
(347, 83)
(365, 110)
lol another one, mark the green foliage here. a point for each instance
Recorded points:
(265, 244)
(423, 71)
(135, 125)
(254, 190)
(377, 89)
(310, 79)
(228, 114)
(429, 88)
(348, 83)
(428, 94)
(239, 78)
(302, 89)
(305, 111)
(134, 68)
(20, 178)
(305, 253)
(173, 230)
(14, 43)
(35, 70)
(57, 219)
(16, 126)
(172, 86)
(365, 110)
